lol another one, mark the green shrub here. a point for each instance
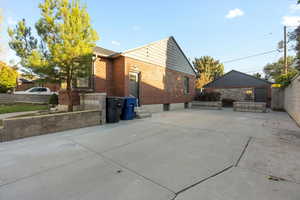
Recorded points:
(208, 96)
(285, 79)
(53, 99)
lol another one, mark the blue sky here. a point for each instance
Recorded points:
(223, 29)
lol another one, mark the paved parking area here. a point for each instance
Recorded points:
(181, 155)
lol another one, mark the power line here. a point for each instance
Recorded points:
(251, 56)
(255, 55)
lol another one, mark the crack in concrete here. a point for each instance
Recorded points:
(203, 180)
(243, 151)
(40, 172)
(125, 167)
(216, 174)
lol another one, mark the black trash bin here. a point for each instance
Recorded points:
(114, 106)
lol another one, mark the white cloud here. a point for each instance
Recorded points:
(136, 28)
(11, 21)
(291, 20)
(294, 7)
(234, 13)
(115, 43)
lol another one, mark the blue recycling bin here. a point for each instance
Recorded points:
(128, 109)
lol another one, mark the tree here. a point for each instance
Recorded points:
(8, 77)
(274, 70)
(286, 79)
(257, 75)
(63, 50)
(208, 69)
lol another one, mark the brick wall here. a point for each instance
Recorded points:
(104, 76)
(119, 83)
(159, 85)
(292, 99)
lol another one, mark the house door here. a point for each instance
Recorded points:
(260, 94)
(134, 84)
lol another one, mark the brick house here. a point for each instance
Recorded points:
(157, 74)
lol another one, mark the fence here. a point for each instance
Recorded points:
(288, 99)
(292, 99)
(24, 98)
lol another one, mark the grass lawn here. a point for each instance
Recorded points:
(9, 108)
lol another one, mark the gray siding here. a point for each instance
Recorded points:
(165, 53)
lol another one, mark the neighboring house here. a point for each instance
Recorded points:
(238, 86)
(25, 84)
(157, 73)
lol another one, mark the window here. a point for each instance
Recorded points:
(186, 86)
(34, 90)
(42, 89)
(82, 82)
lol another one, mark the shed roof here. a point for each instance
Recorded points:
(237, 79)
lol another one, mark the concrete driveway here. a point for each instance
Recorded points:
(181, 155)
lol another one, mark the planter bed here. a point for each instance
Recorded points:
(207, 105)
(27, 126)
(250, 106)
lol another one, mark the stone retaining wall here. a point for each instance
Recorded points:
(236, 94)
(21, 127)
(207, 105)
(250, 106)
(155, 108)
(24, 98)
(97, 101)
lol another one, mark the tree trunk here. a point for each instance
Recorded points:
(70, 95)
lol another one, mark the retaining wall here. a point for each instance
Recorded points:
(94, 101)
(21, 127)
(155, 108)
(207, 105)
(248, 106)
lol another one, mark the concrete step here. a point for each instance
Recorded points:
(142, 113)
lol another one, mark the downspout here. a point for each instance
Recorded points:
(94, 58)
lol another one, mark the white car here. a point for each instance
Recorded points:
(36, 90)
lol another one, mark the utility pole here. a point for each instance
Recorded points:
(285, 51)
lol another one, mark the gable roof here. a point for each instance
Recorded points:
(103, 52)
(237, 79)
(166, 53)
